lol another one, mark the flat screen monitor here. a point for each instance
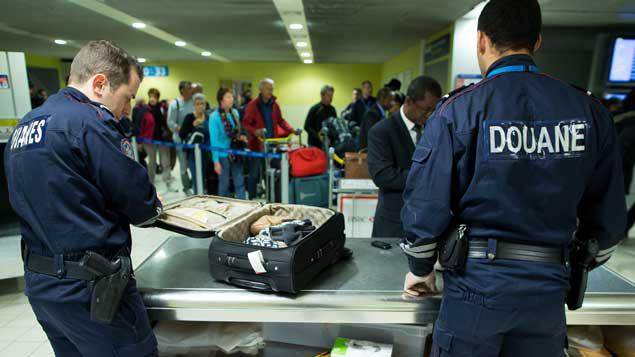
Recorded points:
(622, 69)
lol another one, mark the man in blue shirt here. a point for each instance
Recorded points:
(76, 187)
(524, 161)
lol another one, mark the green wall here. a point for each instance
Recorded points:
(406, 64)
(297, 85)
(33, 60)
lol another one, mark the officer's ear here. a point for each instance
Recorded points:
(481, 42)
(100, 84)
(538, 43)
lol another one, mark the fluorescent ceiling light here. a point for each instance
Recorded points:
(296, 26)
(141, 60)
(60, 42)
(305, 54)
(138, 25)
(302, 44)
(308, 61)
(206, 53)
(180, 43)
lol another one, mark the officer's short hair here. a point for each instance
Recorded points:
(326, 88)
(183, 84)
(367, 82)
(422, 85)
(107, 58)
(383, 93)
(511, 24)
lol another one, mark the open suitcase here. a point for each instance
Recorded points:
(228, 222)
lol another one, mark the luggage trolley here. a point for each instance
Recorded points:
(282, 146)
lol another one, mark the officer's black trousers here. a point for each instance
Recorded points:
(72, 333)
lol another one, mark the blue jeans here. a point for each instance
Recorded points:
(72, 333)
(236, 171)
(256, 165)
(191, 164)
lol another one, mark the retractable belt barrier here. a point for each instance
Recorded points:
(264, 155)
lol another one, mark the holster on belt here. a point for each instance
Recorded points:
(582, 255)
(454, 249)
(108, 289)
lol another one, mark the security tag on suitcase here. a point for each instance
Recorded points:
(256, 260)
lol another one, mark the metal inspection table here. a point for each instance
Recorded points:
(176, 285)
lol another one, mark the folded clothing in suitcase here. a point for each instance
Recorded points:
(228, 222)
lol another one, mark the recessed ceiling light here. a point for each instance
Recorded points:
(302, 44)
(141, 60)
(60, 42)
(180, 43)
(305, 54)
(138, 25)
(206, 53)
(296, 26)
(308, 61)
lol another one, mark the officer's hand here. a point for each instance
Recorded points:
(217, 168)
(415, 285)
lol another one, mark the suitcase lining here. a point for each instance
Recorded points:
(239, 231)
(204, 214)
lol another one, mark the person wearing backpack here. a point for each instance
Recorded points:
(178, 109)
(227, 133)
(194, 131)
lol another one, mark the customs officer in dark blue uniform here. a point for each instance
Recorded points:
(521, 163)
(76, 188)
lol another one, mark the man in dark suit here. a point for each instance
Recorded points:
(377, 112)
(391, 144)
(364, 103)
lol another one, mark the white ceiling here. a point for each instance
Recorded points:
(341, 31)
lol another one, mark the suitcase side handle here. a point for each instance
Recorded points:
(239, 262)
(248, 284)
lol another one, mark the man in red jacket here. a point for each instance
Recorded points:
(263, 120)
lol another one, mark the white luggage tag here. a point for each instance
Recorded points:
(257, 260)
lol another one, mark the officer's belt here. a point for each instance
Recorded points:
(478, 249)
(72, 269)
(46, 265)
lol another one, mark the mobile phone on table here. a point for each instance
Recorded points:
(381, 245)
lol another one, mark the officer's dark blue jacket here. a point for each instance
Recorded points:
(520, 156)
(74, 184)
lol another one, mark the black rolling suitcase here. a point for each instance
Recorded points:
(228, 222)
